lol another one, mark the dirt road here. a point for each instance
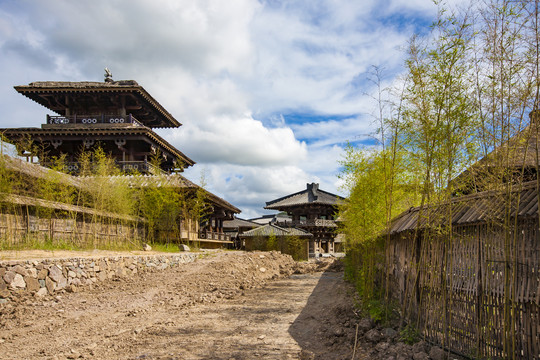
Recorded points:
(225, 306)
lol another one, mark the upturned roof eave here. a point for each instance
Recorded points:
(101, 131)
(41, 86)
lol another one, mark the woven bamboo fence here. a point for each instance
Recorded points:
(475, 289)
(21, 222)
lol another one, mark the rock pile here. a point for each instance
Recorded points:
(377, 342)
(42, 277)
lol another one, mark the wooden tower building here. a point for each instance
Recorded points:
(118, 116)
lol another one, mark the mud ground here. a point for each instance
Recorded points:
(227, 305)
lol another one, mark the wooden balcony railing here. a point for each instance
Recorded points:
(93, 119)
(126, 166)
(207, 235)
(307, 223)
(139, 166)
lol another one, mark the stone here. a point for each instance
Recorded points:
(18, 282)
(32, 272)
(365, 324)
(420, 346)
(147, 247)
(55, 273)
(72, 274)
(42, 274)
(41, 283)
(2, 272)
(61, 284)
(184, 247)
(307, 355)
(9, 276)
(373, 335)
(420, 356)
(338, 331)
(389, 333)
(50, 285)
(436, 353)
(19, 270)
(41, 292)
(262, 269)
(382, 347)
(4, 292)
(32, 284)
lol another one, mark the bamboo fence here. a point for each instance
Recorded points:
(474, 289)
(21, 222)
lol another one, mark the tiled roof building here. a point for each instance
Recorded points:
(313, 210)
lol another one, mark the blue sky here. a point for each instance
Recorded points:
(268, 92)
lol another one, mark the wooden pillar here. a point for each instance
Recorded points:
(123, 108)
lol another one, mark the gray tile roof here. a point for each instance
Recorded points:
(238, 223)
(312, 195)
(270, 229)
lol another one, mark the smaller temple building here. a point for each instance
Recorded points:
(315, 211)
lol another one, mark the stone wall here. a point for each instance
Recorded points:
(47, 276)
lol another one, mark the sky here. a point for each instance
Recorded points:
(269, 92)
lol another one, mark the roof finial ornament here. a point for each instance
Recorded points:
(108, 75)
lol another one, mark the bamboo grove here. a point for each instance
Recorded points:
(100, 208)
(457, 134)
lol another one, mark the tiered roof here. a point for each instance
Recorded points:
(89, 95)
(311, 196)
(88, 130)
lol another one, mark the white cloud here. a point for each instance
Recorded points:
(334, 131)
(250, 187)
(219, 66)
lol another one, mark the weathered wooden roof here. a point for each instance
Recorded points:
(89, 131)
(487, 206)
(140, 102)
(237, 223)
(172, 180)
(311, 196)
(520, 151)
(38, 171)
(270, 229)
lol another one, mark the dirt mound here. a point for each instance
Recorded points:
(325, 264)
(224, 305)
